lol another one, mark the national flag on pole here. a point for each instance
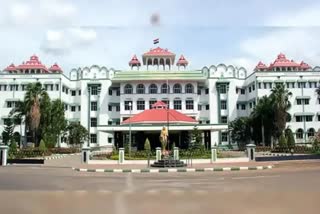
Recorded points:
(156, 41)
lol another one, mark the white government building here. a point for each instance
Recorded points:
(99, 97)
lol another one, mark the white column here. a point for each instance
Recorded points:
(214, 140)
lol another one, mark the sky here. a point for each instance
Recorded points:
(78, 33)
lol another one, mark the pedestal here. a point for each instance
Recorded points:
(251, 152)
(3, 155)
(213, 154)
(176, 153)
(85, 155)
(158, 153)
(121, 156)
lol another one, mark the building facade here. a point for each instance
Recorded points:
(101, 99)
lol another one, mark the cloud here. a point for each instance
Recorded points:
(303, 17)
(37, 13)
(59, 42)
(296, 43)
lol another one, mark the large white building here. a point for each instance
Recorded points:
(99, 97)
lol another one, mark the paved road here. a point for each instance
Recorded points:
(290, 188)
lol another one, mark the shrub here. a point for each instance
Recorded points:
(42, 146)
(282, 141)
(147, 146)
(290, 138)
(64, 150)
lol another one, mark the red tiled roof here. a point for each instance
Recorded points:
(261, 66)
(159, 114)
(282, 61)
(55, 67)
(158, 52)
(304, 65)
(33, 63)
(182, 61)
(11, 67)
(134, 61)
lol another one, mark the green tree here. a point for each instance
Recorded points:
(147, 146)
(32, 100)
(7, 134)
(240, 131)
(280, 97)
(290, 138)
(282, 141)
(263, 114)
(196, 138)
(76, 134)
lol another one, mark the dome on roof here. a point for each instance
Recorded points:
(182, 61)
(134, 61)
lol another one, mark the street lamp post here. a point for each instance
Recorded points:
(130, 106)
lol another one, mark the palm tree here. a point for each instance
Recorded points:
(280, 97)
(263, 112)
(32, 100)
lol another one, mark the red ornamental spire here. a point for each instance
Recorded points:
(182, 61)
(134, 61)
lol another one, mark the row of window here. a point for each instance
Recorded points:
(310, 133)
(268, 85)
(243, 106)
(153, 89)
(307, 118)
(177, 104)
(93, 138)
(243, 91)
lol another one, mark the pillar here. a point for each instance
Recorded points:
(121, 156)
(214, 155)
(3, 155)
(176, 153)
(158, 154)
(85, 155)
(251, 152)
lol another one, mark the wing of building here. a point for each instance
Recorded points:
(118, 105)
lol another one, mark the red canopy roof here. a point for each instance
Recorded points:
(55, 67)
(158, 52)
(11, 67)
(33, 63)
(261, 66)
(282, 61)
(134, 61)
(182, 61)
(159, 114)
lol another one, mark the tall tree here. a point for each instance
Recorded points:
(58, 122)
(280, 98)
(35, 93)
(263, 112)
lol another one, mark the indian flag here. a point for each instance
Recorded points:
(156, 41)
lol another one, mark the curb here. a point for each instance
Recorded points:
(59, 156)
(278, 155)
(168, 170)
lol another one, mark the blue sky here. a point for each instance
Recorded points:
(77, 33)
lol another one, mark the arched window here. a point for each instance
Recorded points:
(153, 89)
(165, 88)
(311, 132)
(140, 89)
(299, 134)
(177, 88)
(128, 89)
(189, 88)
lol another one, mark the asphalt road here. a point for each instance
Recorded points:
(290, 188)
